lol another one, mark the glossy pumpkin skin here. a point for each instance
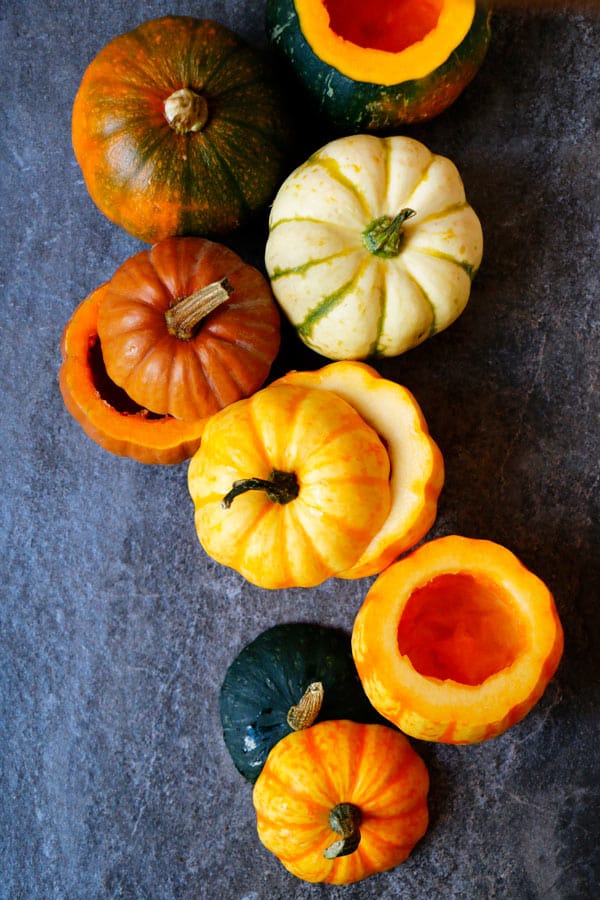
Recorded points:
(417, 465)
(351, 290)
(270, 675)
(105, 413)
(344, 82)
(457, 641)
(231, 350)
(308, 773)
(154, 181)
(341, 472)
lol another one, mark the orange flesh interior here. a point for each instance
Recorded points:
(390, 25)
(460, 628)
(108, 390)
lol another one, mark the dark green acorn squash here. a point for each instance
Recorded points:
(270, 676)
(370, 66)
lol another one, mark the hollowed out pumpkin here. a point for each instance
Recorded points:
(369, 66)
(457, 641)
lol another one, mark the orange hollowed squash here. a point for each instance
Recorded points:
(340, 801)
(457, 641)
(289, 486)
(188, 327)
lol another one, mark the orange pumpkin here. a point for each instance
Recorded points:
(457, 641)
(188, 327)
(340, 801)
(106, 414)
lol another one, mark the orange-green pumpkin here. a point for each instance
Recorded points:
(370, 66)
(179, 128)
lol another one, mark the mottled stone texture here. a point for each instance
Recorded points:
(116, 629)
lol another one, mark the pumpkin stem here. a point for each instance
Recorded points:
(384, 236)
(186, 314)
(345, 820)
(186, 111)
(280, 487)
(304, 713)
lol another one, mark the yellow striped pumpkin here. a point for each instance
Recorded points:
(372, 246)
(340, 801)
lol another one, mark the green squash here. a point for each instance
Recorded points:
(270, 676)
(369, 67)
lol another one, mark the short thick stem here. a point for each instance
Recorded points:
(184, 317)
(384, 236)
(304, 713)
(280, 487)
(345, 820)
(186, 111)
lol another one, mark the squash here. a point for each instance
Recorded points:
(370, 66)
(289, 486)
(287, 678)
(341, 801)
(105, 412)
(188, 327)
(372, 246)
(179, 128)
(457, 641)
(417, 465)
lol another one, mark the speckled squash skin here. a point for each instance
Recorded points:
(353, 105)
(145, 176)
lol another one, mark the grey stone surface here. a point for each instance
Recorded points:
(116, 629)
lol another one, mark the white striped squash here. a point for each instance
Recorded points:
(353, 278)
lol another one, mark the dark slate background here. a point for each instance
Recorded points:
(116, 629)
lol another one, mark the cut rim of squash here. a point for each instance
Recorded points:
(440, 29)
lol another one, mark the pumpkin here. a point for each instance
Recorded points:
(188, 327)
(457, 641)
(372, 246)
(105, 412)
(287, 678)
(370, 66)
(417, 466)
(289, 486)
(341, 801)
(179, 128)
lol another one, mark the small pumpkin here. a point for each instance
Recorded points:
(369, 66)
(417, 465)
(372, 246)
(457, 641)
(105, 412)
(341, 801)
(289, 486)
(179, 127)
(188, 327)
(287, 678)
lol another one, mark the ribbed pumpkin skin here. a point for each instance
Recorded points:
(309, 772)
(342, 471)
(231, 352)
(354, 106)
(474, 658)
(142, 174)
(107, 417)
(270, 675)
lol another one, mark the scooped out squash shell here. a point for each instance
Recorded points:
(457, 641)
(373, 66)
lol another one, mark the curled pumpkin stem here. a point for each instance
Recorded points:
(384, 236)
(186, 111)
(304, 713)
(280, 487)
(345, 820)
(184, 317)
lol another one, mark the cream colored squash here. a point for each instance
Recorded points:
(372, 246)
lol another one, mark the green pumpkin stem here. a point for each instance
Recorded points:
(344, 820)
(308, 707)
(186, 111)
(184, 317)
(384, 236)
(280, 487)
